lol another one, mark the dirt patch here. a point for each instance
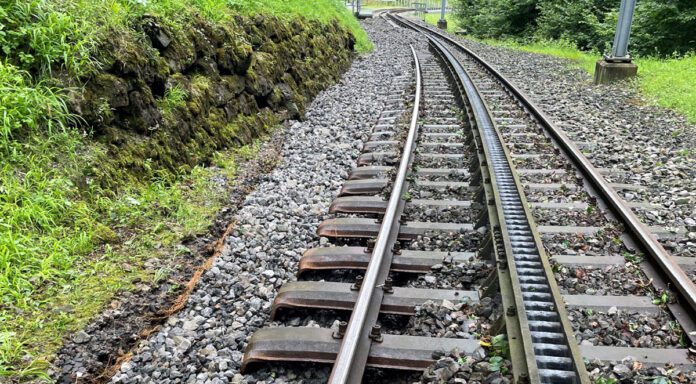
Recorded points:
(93, 354)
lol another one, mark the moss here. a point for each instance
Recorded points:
(105, 234)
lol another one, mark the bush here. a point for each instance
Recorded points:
(664, 27)
(588, 23)
(497, 18)
(660, 27)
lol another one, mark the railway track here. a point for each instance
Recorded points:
(460, 170)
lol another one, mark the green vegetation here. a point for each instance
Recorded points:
(324, 10)
(670, 82)
(68, 242)
(660, 28)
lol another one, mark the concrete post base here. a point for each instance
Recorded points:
(607, 72)
(442, 24)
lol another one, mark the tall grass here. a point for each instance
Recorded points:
(63, 240)
(325, 10)
(670, 83)
(27, 106)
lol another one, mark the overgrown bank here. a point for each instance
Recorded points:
(113, 114)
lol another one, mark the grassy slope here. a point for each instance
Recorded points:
(669, 83)
(64, 251)
(324, 10)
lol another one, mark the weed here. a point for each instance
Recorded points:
(606, 380)
(661, 299)
(27, 107)
(497, 364)
(175, 97)
(634, 258)
(500, 346)
(160, 275)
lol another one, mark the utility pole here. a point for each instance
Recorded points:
(618, 65)
(442, 23)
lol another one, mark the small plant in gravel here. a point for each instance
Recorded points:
(606, 380)
(498, 345)
(661, 299)
(589, 209)
(636, 258)
(497, 364)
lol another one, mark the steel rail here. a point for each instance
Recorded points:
(643, 236)
(539, 306)
(358, 329)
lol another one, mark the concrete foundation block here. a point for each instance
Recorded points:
(607, 72)
(442, 24)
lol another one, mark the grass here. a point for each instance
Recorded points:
(67, 244)
(324, 10)
(670, 83)
(82, 251)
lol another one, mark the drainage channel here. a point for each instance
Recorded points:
(551, 358)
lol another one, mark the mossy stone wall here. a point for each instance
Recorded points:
(238, 78)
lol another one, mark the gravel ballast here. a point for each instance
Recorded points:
(616, 128)
(205, 342)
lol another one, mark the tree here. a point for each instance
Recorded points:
(664, 27)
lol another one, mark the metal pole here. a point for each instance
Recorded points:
(442, 11)
(619, 51)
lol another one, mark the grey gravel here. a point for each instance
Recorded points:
(650, 146)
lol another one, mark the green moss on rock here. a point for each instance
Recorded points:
(240, 77)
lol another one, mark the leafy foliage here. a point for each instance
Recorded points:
(588, 23)
(498, 18)
(660, 28)
(664, 27)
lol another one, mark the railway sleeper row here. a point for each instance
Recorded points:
(442, 137)
(664, 272)
(463, 162)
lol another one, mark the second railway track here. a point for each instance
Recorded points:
(467, 196)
